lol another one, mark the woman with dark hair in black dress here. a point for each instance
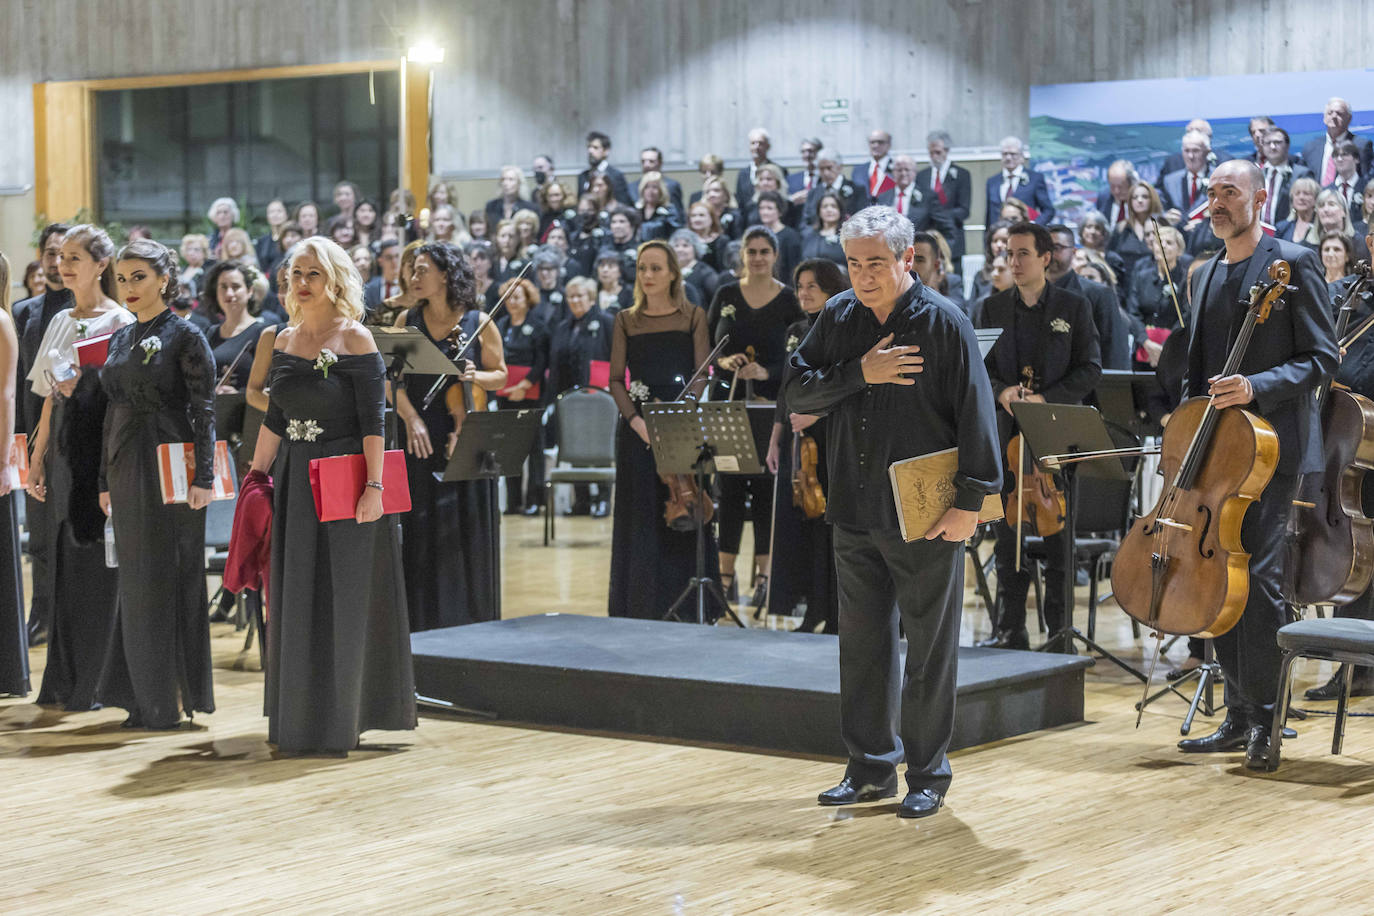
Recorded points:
(452, 559)
(803, 569)
(227, 296)
(660, 340)
(754, 312)
(525, 338)
(159, 378)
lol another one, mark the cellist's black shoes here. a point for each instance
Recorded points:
(922, 803)
(1257, 755)
(1361, 685)
(1006, 639)
(850, 791)
(1231, 736)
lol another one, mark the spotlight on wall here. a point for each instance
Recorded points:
(426, 52)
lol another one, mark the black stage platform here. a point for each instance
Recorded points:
(719, 685)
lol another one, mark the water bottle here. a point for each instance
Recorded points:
(61, 367)
(111, 555)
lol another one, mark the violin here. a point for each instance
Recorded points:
(1034, 505)
(807, 494)
(688, 505)
(1181, 569)
(1333, 559)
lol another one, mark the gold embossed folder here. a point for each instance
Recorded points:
(923, 488)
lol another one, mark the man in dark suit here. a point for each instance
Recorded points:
(1113, 329)
(1318, 153)
(31, 319)
(1279, 174)
(598, 152)
(831, 172)
(1114, 202)
(387, 281)
(1015, 180)
(759, 145)
(948, 193)
(1174, 162)
(904, 196)
(1185, 189)
(875, 176)
(1048, 351)
(1288, 356)
(801, 182)
(1347, 183)
(1258, 125)
(651, 160)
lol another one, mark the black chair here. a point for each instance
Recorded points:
(1338, 639)
(585, 419)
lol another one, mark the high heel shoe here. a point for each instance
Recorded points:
(730, 587)
(760, 591)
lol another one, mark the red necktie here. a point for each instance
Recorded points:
(1329, 173)
(901, 200)
(873, 173)
(1272, 201)
(1121, 216)
(808, 181)
(1192, 193)
(940, 189)
(1345, 192)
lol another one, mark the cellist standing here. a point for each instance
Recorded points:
(1290, 355)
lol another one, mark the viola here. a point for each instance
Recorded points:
(807, 494)
(687, 505)
(1035, 500)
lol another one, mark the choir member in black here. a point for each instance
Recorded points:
(482, 256)
(549, 306)
(1048, 351)
(770, 208)
(451, 556)
(582, 336)
(661, 340)
(717, 196)
(1150, 304)
(821, 239)
(613, 295)
(1289, 355)
(1338, 262)
(227, 293)
(624, 225)
(338, 649)
(1357, 373)
(1130, 240)
(754, 312)
(14, 643)
(803, 566)
(659, 218)
(554, 206)
(160, 381)
(861, 367)
(702, 219)
(64, 469)
(525, 338)
(31, 320)
(994, 244)
(695, 272)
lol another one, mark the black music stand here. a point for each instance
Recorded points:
(1122, 395)
(407, 351)
(694, 438)
(1064, 430)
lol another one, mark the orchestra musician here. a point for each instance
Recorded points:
(1291, 353)
(1048, 339)
(861, 367)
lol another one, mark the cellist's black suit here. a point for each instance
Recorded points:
(1288, 356)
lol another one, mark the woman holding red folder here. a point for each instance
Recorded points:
(338, 645)
(525, 337)
(159, 378)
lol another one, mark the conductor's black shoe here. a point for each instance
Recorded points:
(601, 509)
(1361, 685)
(1231, 736)
(850, 791)
(1006, 639)
(920, 804)
(1257, 756)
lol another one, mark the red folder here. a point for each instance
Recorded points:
(1158, 335)
(93, 351)
(338, 484)
(599, 374)
(517, 374)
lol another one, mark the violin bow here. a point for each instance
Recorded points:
(1173, 293)
(482, 326)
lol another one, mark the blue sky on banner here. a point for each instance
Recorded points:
(1078, 129)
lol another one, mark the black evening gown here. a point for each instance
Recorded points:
(338, 648)
(651, 563)
(451, 533)
(159, 659)
(14, 643)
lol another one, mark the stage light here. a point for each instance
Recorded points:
(426, 52)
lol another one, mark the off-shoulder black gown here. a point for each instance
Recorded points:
(338, 645)
(158, 663)
(14, 643)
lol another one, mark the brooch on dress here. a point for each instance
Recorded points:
(309, 430)
(639, 391)
(150, 346)
(326, 359)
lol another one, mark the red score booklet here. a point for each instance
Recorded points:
(514, 376)
(338, 484)
(93, 351)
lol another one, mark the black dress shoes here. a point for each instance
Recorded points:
(38, 635)
(1257, 756)
(850, 791)
(1006, 639)
(1361, 685)
(1233, 735)
(601, 509)
(920, 804)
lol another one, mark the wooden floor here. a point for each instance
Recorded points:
(458, 817)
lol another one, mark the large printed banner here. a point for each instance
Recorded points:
(1078, 129)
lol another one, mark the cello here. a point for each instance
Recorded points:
(1334, 556)
(1181, 569)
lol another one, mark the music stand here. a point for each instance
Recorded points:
(407, 351)
(1121, 395)
(492, 444)
(1061, 431)
(694, 438)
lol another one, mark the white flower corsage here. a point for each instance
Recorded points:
(527, 330)
(593, 327)
(1060, 326)
(728, 312)
(150, 346)
(792, 342)
(639, 392)
(308, 430)
(326, 359)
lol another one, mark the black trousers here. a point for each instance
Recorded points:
(1012, 586)
(734, 490)
(37, 519)
(925, 581)
(1249, 652)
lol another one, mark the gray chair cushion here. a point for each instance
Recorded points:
(580, 475)
(1339, 634)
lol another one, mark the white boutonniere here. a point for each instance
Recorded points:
(792, 342)
(846, 190)
(728, 312)
(527, 329)
(1060, 326)
(593, 326)
(639, 392)
(556, 298)
(953, 170)
(150, 346)
(326, 359)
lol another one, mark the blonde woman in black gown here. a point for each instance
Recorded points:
(338, 643)
(14, 644)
